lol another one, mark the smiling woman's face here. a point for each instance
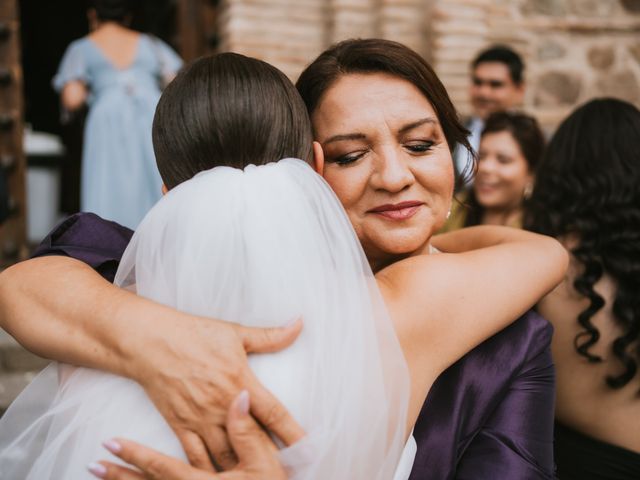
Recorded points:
(388, 161)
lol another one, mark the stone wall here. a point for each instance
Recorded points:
(574, 49)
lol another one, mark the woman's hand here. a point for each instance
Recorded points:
(256, 452)
(74, 95)
(191, 367)
(193, 370)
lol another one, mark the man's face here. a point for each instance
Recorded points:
(492, 89)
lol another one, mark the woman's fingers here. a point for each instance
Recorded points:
(272, 414)
(195, 449)
(152, 465)
(111, 471)
(265, 406)
(222, 453)
(266, 340)
(195, 372)
(256, 452)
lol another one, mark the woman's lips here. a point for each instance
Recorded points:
(486, 187)
(397, 211)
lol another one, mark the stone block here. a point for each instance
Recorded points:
(557, 88)
(555, 8)
(622, 84)
(631, 6)
(601, 58)
(593, 8)
(634, 50)
(550, 50)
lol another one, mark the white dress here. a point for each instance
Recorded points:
(261, 246)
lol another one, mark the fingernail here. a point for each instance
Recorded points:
(292, 322)
(243, 402)
(97, 469)
(113, 446)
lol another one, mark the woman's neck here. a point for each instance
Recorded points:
(505, 217)
(381, 260)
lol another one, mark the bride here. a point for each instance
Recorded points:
(258, 239)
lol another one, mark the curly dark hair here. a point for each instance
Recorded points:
(527, 133)
(588, 187)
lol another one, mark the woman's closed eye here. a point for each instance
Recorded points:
(419, 147)
(347, 158)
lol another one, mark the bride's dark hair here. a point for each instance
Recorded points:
(588, 188)
(230, 110)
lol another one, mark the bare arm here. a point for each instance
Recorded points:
(445, 305)
(73, 95)
(474, 238)
(191, 367)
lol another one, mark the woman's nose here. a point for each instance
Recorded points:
(392, 172)
(485, 165)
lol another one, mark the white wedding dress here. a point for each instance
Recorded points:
(260, 246)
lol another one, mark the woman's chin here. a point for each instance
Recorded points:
(402, 247)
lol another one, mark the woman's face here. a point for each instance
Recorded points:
(503, 172)
(387, 160)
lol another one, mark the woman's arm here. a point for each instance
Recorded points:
(73, 95)
(444, 305)
(191, 367)
(473, 238)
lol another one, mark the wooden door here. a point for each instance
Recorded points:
(13, 245)
(197, 27)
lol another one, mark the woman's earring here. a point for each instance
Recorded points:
(448, 214)
(528, 190)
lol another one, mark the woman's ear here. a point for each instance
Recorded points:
(164, 189)
(318, 158)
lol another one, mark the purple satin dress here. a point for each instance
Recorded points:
(489, 416)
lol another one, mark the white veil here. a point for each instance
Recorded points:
(259, 246)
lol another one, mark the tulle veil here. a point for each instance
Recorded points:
(260, 246)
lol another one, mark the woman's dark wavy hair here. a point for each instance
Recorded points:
(527, 133)
(588, 186)
(112, 10)
(231, 110)
(382, 56)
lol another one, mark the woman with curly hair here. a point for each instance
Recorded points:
(587, 194)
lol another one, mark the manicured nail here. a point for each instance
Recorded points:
(113, 446)
(292, 322)
(97, 469)
(243, 402)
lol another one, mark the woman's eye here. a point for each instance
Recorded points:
(419, 147)
(349, 158)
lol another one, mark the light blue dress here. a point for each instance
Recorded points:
(120, 181)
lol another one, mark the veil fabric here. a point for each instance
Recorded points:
(259, 246)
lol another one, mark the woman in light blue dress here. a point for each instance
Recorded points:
(119, 74)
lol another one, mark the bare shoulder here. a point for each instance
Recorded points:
(427, 273)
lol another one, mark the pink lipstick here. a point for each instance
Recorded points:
(397, 211)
